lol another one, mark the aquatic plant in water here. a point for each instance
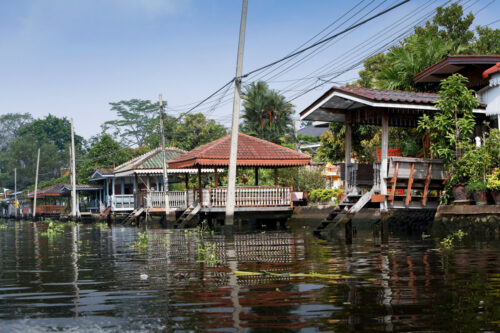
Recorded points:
(206, 253)
(448, 242)
(141, 243)
(103, 226)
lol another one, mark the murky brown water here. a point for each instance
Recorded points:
(89, 279)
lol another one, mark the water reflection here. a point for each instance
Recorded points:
(90, 278)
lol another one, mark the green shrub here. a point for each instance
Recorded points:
(494, 180)
(321, 195)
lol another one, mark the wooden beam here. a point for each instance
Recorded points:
(216, 176)
(394, 180)
(275, 176)
(348, 137)
(384, 158)
(410, 183)
(200, 192)
(427, 183)
(256, 176)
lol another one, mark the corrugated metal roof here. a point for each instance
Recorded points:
(150, 160)
(252, 151)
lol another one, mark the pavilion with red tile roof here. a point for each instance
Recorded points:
(252, 153)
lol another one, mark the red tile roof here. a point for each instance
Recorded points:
(491, 70)
(252, 151)
(380, 95)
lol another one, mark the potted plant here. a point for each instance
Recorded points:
(493, 185)
(478, 190)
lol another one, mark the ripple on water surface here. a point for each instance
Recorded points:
(93, 279)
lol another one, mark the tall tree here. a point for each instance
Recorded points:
(10, 124)
(51, 129)
(103, 154)
(266, 113)
(135, 116)
(186, 133)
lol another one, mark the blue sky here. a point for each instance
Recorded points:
(72, 57)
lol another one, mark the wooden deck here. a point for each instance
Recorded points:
(248, 199)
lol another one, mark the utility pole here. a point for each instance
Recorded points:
(73, 173)
(15, 192)
(36, 183)
(233, 154)
(165, 165)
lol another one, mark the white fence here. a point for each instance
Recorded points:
(121, 202)
(177, 199)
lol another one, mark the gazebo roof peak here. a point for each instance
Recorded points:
(252, 152)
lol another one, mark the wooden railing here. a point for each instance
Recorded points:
(50, 209)
(251, 196)
(247, 196)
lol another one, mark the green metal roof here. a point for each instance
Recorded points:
(150, 160)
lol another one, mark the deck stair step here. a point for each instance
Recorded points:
(130, 217)
(189, 213)
(106, 212)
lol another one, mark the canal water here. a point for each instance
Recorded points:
(92, 278)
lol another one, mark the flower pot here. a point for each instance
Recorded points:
(480, 197)
(496, 196)
(459, 193)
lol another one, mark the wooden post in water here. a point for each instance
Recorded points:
(383, 160)
(36, 184)
(15, 193)
(73, 173)
(164, 157)
(348, 232)
(347, 163)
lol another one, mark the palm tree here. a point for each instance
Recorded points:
(266, 113)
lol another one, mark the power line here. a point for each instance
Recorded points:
(326, 39)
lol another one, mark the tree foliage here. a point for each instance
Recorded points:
(451, 127)
(135, 116)
(449, 33)
(106, 153)
(266, 113)
(52, 130)
(51, 134)
(189, 132)
(10, 124)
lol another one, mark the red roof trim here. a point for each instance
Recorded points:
(491, 70)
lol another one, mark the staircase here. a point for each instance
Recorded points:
(133, 215)
(189, 213)
(351, 204)
(106, 212)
